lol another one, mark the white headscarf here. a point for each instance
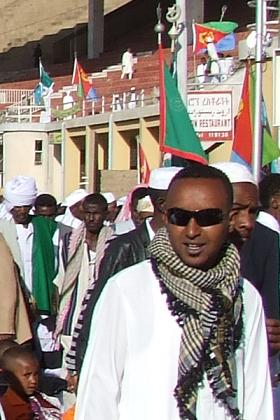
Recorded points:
(74, 197)
(67, 218)
(20, 191)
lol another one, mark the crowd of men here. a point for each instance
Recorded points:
(162, 306)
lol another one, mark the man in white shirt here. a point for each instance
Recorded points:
(182, 335)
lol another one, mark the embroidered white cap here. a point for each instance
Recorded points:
(145, 205)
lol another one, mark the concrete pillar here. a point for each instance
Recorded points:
(95, 28)
(121, 150)
(72, 162)
(148, 139)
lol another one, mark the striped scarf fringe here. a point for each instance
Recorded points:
(208, 308)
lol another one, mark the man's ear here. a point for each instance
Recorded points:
(274, 203)
(232, 213)
(161, 204)
(164, 217)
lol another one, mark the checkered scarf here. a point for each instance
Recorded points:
(208, 307)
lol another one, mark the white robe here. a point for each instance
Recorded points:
(127, 62)
(130, 367)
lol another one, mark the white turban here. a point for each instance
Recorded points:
(109, 197)
(20, 191)
(74, 197)
(236, 172)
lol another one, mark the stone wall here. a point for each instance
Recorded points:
(29, 20)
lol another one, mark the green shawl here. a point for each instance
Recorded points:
(43, 263)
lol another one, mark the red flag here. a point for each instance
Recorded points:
(81, 79)
(202, 34)
(144, 167)
(242, 145)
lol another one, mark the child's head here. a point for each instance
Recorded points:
(6, 345)
(23, 366)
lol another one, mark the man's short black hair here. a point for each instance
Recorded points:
(45, 200)
(97, 199)
(268, 187)
(205, 171)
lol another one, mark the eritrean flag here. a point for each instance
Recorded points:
(177, 135)
(242, 148)
(81, 79)
(210, 32)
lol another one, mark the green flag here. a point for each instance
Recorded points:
(226, 27)
(177, 135)
(45, 79)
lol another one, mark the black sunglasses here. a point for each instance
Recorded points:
(205, 217)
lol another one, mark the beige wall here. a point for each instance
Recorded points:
(29, 20)
(19, 157)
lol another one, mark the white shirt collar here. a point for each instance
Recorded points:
(269, 221)
(150, 230)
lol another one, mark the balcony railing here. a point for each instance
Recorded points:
(22, 113)
(13, 96)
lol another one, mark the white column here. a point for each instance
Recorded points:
(190, 9)
(257, 140)
(182, 54)
(95, 28)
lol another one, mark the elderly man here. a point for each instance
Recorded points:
(30, 241)
(259, 250)
(181, 336)
(259, 263)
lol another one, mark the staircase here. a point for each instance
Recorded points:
(105, 73)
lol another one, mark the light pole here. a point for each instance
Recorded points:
(257, 140)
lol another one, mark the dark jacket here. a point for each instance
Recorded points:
(124, 251)
(260, 265)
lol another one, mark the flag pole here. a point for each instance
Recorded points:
(194, 57)
(138, 159)
(223, 11)
(257, 137)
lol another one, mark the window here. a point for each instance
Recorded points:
(38, 152)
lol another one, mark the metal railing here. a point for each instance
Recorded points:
(22, 113)
(13, 96)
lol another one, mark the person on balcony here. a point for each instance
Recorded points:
(127, 64)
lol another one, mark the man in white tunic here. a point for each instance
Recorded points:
(180, 336)
(127, 64)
